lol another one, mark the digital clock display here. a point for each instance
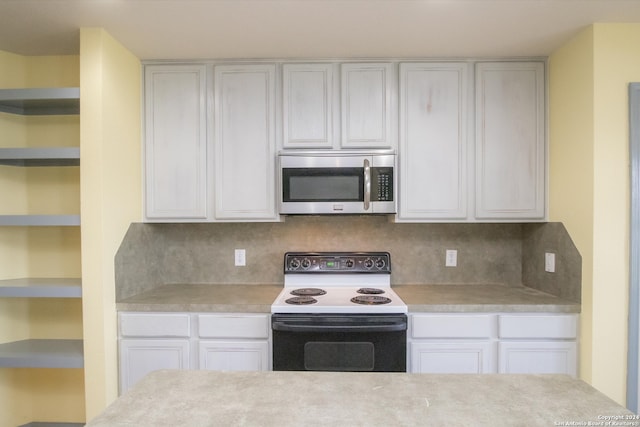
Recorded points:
(331, 264)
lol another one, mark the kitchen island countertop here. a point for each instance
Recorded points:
(209, 398)
(419, 298)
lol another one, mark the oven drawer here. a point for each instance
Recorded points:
(233, 326)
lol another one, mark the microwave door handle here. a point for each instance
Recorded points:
(367, 185)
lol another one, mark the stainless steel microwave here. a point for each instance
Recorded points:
(337, 182)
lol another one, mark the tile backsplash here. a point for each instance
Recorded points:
(509, 254)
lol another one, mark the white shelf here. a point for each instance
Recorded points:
(42, 353)
(40, 156)
(40, 101)
(41, 288)
(39, 220)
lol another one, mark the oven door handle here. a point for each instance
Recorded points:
(289, 327)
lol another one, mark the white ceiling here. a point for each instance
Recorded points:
(177, 29)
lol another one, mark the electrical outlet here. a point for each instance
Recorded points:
(240, 257)
(550, 262)
(451, 259)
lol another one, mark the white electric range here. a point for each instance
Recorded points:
(338, 282)
(337, 312)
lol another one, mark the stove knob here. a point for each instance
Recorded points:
(306, 263)
(349, 263)
(368, 263)
(294, 263)
(380, 263)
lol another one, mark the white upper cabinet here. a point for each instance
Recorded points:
(433, 141)
(175, 143)
(367, 107)
(245, 106)
(307, 105)
(470, 135)
(510, 140)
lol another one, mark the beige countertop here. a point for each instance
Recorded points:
(231, 298)
(209, 398)
(481, 298)
(419, 298)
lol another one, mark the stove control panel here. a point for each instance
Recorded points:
(337, 262)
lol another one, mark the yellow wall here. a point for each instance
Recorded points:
(588, 192)
(111, 196)
(39, 394)
(589, 185)
(571, 163)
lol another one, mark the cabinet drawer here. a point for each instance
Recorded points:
(538, 326)
(451, 326)
(155, 325)
(233, 326)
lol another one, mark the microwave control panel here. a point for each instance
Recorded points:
(382, 184)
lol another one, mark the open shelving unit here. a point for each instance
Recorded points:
(41, 353)
(41, 288)
(40, 101)
(39, 220)
(45, 156)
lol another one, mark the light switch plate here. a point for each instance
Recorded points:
(550, 262)
(240, 257)
(451, 258)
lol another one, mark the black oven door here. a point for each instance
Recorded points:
(333, 342)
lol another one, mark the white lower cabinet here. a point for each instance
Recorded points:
(452, 343)
(464, 357)
(223, 341)
(230, 342)
(539, 343)
(139, 357)
(538, 357)
(234, 356)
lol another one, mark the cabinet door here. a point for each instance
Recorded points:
(510, 141)
(366, 105)
(138, 357)
(234, 355)
(433, 141)
(538, 357)
(452, 357)
(245, 142)
(175, 142)
(307, 105)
